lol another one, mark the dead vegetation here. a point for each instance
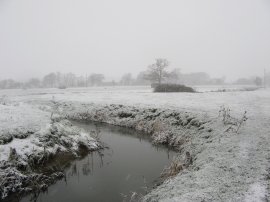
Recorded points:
(96, 134)
(36, 171)
(132, 197)
(177, 165)
(174, 168)
(54, 110)
(233, 124)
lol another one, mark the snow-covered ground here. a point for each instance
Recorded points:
(227, 166)
(29, 137)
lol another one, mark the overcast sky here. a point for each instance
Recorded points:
(222, 37)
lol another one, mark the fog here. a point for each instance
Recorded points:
(221, 37)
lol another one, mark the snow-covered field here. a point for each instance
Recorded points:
(227, 166)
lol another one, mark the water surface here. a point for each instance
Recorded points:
(130, 164)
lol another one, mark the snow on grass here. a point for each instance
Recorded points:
(143, 96)
(257, 192)
(29, 139)
(226, 165)
(20, 120)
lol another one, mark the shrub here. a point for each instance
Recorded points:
(233, 123)
(173, 88)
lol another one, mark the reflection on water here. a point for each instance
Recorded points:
(129, 164)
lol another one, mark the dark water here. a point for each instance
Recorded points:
(131, 164)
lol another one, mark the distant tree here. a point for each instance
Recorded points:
(59, 79)
(96, 79)
(217, 81)
(10, 84)
(174, 76)
(3, 84)
(69, 80)
(258, 81)
(126, 79)
(267, 79)
(50, 80)
(196, 78)
(244, 81)
(33, 83)
(81, 82)
(157, 71)
(141, 79)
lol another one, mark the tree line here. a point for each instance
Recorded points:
(70, 80)
(156, 73)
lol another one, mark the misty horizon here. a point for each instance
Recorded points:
(222, 38)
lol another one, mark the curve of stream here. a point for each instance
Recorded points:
(131, 164)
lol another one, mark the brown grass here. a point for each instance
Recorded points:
(175, 167)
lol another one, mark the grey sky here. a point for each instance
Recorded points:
(222, 37)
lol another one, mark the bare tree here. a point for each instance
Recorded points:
(141, 79)
(174, 76)
(126, 79)
(10, 84)
(81, 81)
(50, 80)
(69, 79)
(258, 81)
(96, 79)
(157, 71)
(33, 83)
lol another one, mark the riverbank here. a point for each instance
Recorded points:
(30, 139)
(226, 166)
(128, 164)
